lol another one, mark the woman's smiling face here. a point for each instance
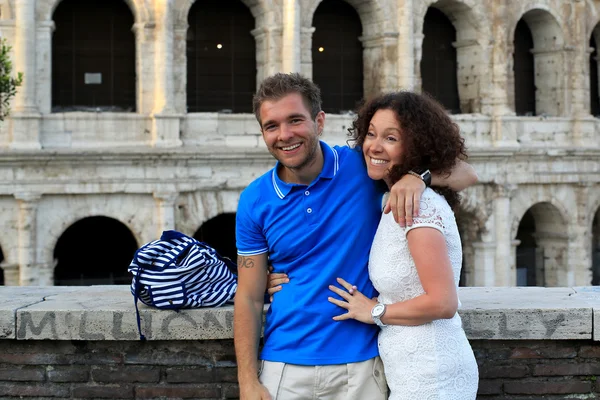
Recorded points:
(382, 147)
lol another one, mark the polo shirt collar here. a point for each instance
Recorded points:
(331, 165)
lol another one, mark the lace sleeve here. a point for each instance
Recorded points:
(431, 210)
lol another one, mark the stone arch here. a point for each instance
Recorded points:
(60, 213)
(105, 243)
(80, 44)
(219, 232)
(258, 8)
(198, 207)
(141, 14)
(545, 254)
(263, 13)
(377, 42)
(472, 31)
(369, 12)
(337, 56)
(549, 58)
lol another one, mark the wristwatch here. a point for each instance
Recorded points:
(424, 174)
(377, 312)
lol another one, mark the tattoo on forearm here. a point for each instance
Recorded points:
(245, 262)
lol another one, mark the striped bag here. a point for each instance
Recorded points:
(178, 271)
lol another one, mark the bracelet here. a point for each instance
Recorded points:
(425, 176)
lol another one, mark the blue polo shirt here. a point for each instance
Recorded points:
(314, 234)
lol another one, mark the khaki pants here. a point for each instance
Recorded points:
(355, 381)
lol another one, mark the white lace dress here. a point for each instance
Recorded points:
(433, 361)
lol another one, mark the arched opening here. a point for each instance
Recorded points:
(439, 62)
(337, 55)
(221, 57)
(530, 259)
(1, 270)
(219, 233)
(524, 70)
(594, 89)
(541, 255)
(93, 56)
(596, 249)
(94, 251)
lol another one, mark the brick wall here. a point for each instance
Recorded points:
(118, 370)
(206, 369)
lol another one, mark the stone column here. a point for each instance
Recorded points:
(578, 62)
(290, 56)
(556, 262)
(581, 243)
(484, 272)
(268, 51)
(550, 82)
(379, 61)
(504, 264)
(25, 121)
(306, 67)
(144, 68)
(11, 274)
(27, 238)
(165, 123)
(44, 66)
(406, 46)
(165, 209)
(180, 68)
(468, 78)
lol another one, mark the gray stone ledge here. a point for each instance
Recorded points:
(107, 313)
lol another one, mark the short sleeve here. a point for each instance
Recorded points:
(250, 239)
(431, 210)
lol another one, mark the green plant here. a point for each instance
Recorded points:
(8, 83)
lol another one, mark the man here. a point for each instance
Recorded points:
(312, 217)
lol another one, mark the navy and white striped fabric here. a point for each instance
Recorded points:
(178, 271)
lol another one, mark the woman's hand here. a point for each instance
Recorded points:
(358, 305)
(274, 282)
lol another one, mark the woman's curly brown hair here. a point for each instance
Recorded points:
(430, 139)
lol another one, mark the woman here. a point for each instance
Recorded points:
(415, 269)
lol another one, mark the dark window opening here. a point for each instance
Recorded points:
(219, 233)
(1, 270)
(94, 251)
(337, 56)
(529, 257)
(221, 57)
(594, 93)
(93, 56)
(439, 62)
(524, 70)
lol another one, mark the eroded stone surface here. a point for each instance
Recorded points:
(107, 313)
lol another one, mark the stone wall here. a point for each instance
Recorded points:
(163, 168)
(82, 342)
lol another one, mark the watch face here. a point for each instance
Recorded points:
(378, 310)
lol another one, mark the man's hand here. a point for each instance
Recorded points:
(405, 197)
(254, 391)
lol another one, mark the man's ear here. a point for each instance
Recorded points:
(320, 120)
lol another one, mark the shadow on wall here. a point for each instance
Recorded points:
(94, 251)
